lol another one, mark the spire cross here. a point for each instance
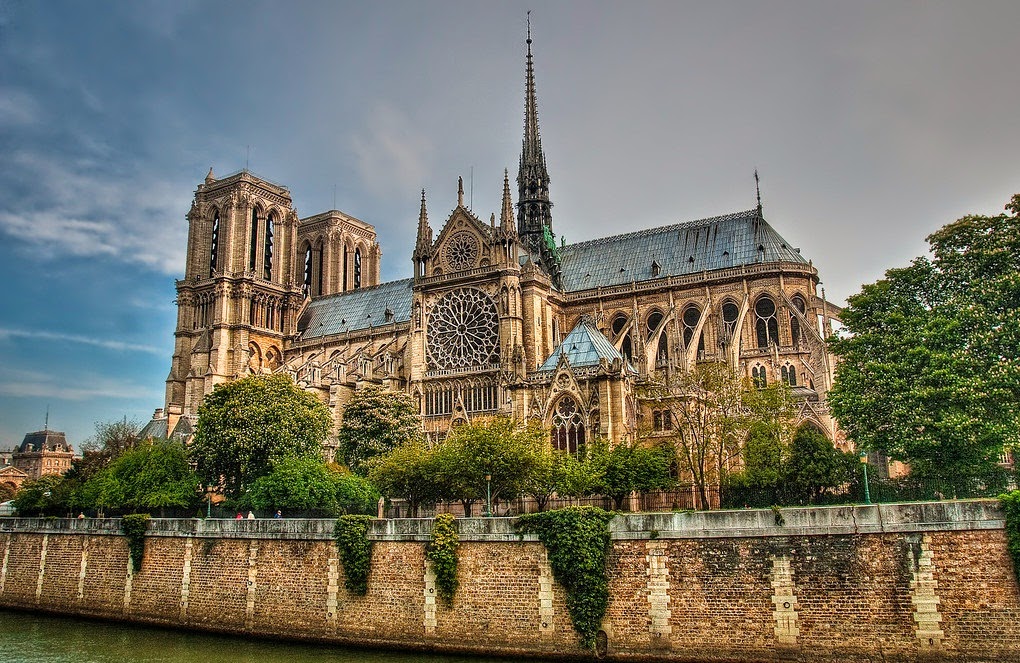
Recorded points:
(757, 190)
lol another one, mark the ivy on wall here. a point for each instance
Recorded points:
(134, 525)
(442, 552)
(355, 551)
(1011, 504)
(577, 539)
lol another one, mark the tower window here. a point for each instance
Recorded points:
(267, 250)
(253, 246)
(357, 268)
(308, 271)
(213, 250)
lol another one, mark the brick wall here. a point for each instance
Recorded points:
(891, 582)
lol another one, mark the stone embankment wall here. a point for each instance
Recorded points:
(891, 582)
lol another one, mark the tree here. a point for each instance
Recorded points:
(627, 468)
(374, 422)
(246, 427)
(928, 371)
(556, 472)
(707, 410)
(815, 465)
(155, 475)
(39, 497)
(308, 485)
(407, 472)
(502, 449)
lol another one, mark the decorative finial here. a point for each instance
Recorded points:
(757, 190)
(210, 178)
(529, 27)
(460, 192)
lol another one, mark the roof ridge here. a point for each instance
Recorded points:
(367, 288)
(673, 226)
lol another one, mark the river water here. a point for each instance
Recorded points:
(30, 638)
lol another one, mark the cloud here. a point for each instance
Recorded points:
(390, 153)
(34, 384)
(120, 346)
(18, 108)
(77, 207)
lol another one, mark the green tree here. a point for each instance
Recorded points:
(628, 468)
(40, 497)
(555, 472)
(109, 441)
(308, 485)
(928, 371)
(156, 475)
(502, 449)
(407, 472)
(815, 466)
(374, 422)
(248, 426)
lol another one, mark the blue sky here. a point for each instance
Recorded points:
(871, 123)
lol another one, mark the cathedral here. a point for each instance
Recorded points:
(499, 317)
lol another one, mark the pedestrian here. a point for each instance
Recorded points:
(279, 514)
(81, 516)
(251, 515)
(239, 516)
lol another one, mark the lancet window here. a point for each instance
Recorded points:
(798, 303)
(759, 377)
(477, 395)
(730, 313)
(253, 246)
(215, 245)
(690, 319)
(357, 268)
(267, 250)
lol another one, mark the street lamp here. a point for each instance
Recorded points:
(488, 496)
(867, 490)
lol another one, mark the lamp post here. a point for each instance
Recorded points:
(867, 490)
(488, 496)
(208, 504)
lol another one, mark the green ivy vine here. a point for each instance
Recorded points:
(442, 552)
(134, 525)
(355, 551)
(577, 539)
(1011, 505)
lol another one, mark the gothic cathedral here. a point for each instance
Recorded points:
(498, 318)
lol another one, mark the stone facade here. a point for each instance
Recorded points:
(890, 582)
(482, 327)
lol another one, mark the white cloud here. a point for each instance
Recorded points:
(18, 108)
(80, 210)
(121, 346)
(34, 384)
(390, 153)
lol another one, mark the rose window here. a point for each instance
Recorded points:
(463, 330)
(461, 251)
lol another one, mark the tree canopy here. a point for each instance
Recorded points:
(928, 369)
(248, 426)
(375, 422)
(308, 485)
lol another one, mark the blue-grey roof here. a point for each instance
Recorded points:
(720, 242)
(584, 346)
(357, 309)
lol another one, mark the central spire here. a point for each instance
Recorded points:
(534, 208)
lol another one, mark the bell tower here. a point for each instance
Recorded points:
(241, 292)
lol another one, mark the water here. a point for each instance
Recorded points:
(30, 638)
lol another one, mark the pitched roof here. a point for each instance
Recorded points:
(719, 242)
(584, 346)
(357, 309)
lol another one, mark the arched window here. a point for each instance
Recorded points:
(730, 313)
(253, 247)
(319, 264)
(343, 249)
(654, 320)
(617, 325)
(662, 351)
(626, 349)
(798, 303)
(689, 320)
(267, 250)
(766, 325)
(568, 427)
(789, 375)
(594, 412)
(357, 268)
(214, 248)
(759, 377)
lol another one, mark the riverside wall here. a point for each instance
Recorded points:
(900, 582)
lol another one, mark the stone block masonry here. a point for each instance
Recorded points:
(911, 582)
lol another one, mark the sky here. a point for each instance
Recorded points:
(872, 124)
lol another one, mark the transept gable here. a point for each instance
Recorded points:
(464, 243)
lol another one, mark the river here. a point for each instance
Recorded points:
(32, 638)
